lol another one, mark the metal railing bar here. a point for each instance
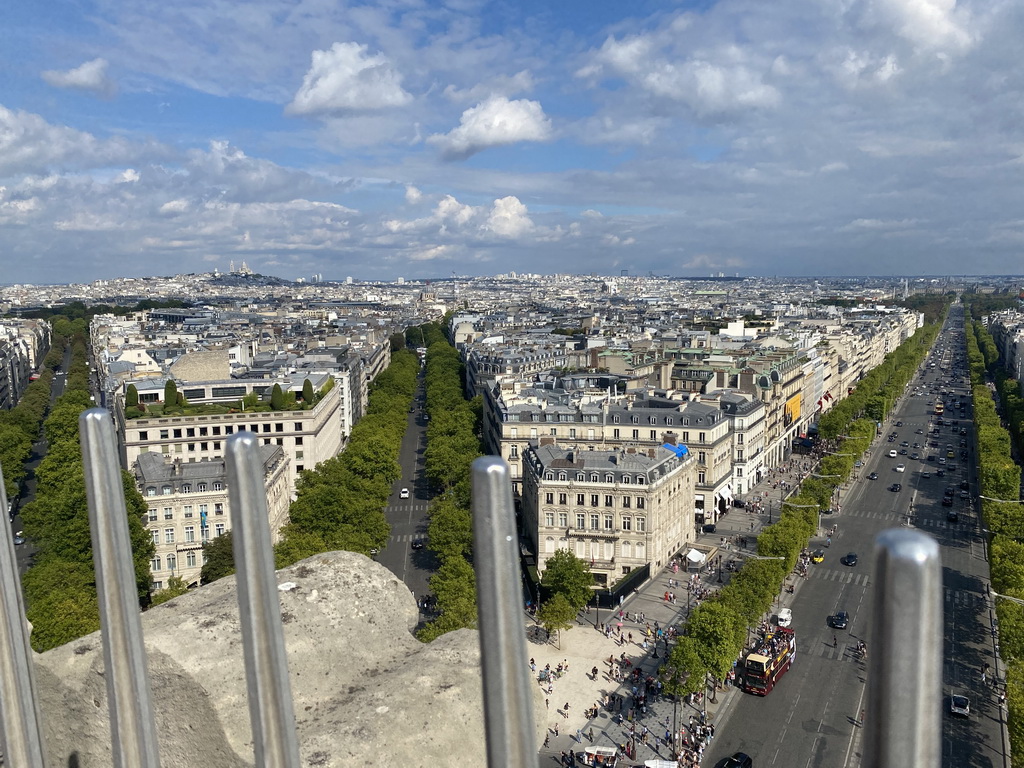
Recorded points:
(511, 736)
(903, 712)
(134, 742)
(271, 711)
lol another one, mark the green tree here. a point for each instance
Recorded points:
(557, 614)
(685, 671)
(307, 392)
(219, 558)
(175, 586)
(170, 393)
(131, 398)
(276, 398)
(567, 575)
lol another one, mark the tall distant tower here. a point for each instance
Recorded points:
(231, 266)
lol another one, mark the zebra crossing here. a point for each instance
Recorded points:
(840, 577)
(822, 648)
(964, 599)
(405, 538)
(409, 507)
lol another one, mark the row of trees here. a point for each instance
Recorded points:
(60, 587)
(999, 478)
(716, 631)
(19, 427)
(452, 444)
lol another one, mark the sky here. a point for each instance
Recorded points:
(421, 138)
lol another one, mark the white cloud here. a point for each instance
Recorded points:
(346, 79)
(501, 85)
(508, 218)
(412, 194)
(927, 24)
(492, 123)
(90, 76)
(127, 176)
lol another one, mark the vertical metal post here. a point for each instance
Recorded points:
(271, 711)
(511, 736)
(904, 674)
(19, 707)
(124, 655)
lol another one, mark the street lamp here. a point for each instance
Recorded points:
(1003, 501)
(805, 506)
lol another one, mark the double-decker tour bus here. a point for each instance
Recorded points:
(940, 408)
(769, 661)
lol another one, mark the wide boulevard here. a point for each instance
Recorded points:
(812, 716)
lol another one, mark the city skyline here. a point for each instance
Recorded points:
(432, 139)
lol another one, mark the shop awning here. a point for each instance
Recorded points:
(695, 556)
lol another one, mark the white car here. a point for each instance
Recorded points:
(785, 617)
(901, 467)
(892, 454)
(404, 494)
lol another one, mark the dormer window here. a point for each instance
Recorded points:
(580, 477)
(594, 478)
(635, 419)
(609, 478)
(562, 476)
(186, 488)
(202, 487)
(615, 419)
(669, 421)
(640, 480)
(549, 476)
(625, 479)
(652, 419)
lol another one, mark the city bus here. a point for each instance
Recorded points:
(769, 661)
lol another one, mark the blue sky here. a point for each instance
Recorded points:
(419, 139)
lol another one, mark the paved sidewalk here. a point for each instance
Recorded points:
(586, 646)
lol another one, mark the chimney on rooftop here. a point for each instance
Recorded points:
(671, 438)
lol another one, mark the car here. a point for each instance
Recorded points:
(18, 538)
(915, 456)
(899, 423)
(739, 760)
(858, 463)
(873, 476)
(959, 705)
(404, 493)
(417, 544)
(709, 528)
(892, 454)
(926, 474)
(850, 558)
(947, 501)
(931, 457)
(901, 467)
(953, 516)
(839, 620)
(964, 485)
(785, 617)
(905, 444)
(942, 459)
(903, 451)
(919, 432)
(818, 556)
(950, 454)
(940, 472)
(895, 487)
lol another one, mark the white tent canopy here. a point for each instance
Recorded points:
(694, 556)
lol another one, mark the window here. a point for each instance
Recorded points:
(190, 560)
(634, 419)
(595, 522)
(216, 446)
(609, 522)
(563, 519)
(549, 498)
(513, 432)
(533, 432)
(640, 479)
(186, 488)
(563, 498)
(513, 452)
(594, 477)
(627, 523)
(204, 446)
(206, 533)
(686, 437)
(191, 446)
(168, 535)
(152, 514)
(204, 510)
(739, 455)
(187, 510)
(218, 509)
(190, 432)
(218, 486)
(609, 501)
(216, 431)
(218, 529)
(594, 499)
(143, 435)
(580, 477)
(654, 434)
(625, 502)
(151, 491)
(155, 564)
(172, 562)
(640, 501)
(156, 536)
(266, 427)
(299, 455)
(279, 426)
(625, 479)
(554, 432)
(165, 434)
(204, 432)
(669, 421)
(168, 513)
(702, 457)
(549, 476)
(615, 420)
(581, 520)
(572, 433)
(298, 440)
(615, 434)
(641, 524)
(202, 487)
(299, 467)
(739, 471)
(701, 437)
(166, 490)
(702, 478)
(562, 477)
(229, 430)
(190, 533)
(581, 499)
(636, 434)
(298, 426)
(549, 519)
(609, 478)
(739, 438)
(157, 586)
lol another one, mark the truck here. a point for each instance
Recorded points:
(769, 660)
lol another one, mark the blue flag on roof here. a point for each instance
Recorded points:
(678, 450)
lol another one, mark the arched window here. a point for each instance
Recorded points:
(549, 545)
(151, 491)
(627, 550)
(166, 490)
(640, 550)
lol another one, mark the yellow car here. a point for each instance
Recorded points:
(818, 556)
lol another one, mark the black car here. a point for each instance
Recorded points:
(839, 620)
(873, 476)
(739, 760)
(953, 516)
(709, 528)
(896, 487)
(964, 485)
(947, 501)
(849, 559)
(417, 544)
